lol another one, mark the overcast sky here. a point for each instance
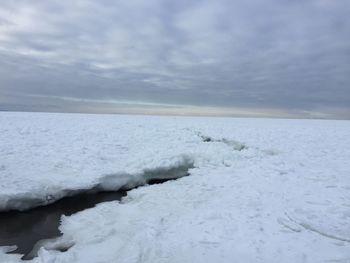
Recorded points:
(278, 58)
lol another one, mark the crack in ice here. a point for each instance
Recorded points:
(315, 230)
(72, 203)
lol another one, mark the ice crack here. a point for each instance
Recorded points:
(315, 230)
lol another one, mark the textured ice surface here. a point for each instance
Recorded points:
(47, 156)
(262, 190)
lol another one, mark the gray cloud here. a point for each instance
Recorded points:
(280, 58)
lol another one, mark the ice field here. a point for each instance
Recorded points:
(258, 190)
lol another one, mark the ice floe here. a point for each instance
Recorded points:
(260, 190)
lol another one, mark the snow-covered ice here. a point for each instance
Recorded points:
(260, 190)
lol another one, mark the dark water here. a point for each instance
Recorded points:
(25, 229)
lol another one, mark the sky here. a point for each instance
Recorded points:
(249, 58)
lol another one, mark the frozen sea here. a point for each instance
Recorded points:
(258, 190)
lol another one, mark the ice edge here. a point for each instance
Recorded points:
(108, 182)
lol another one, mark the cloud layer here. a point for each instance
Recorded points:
(272, 57)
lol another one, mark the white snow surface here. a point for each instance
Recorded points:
(261, 190)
